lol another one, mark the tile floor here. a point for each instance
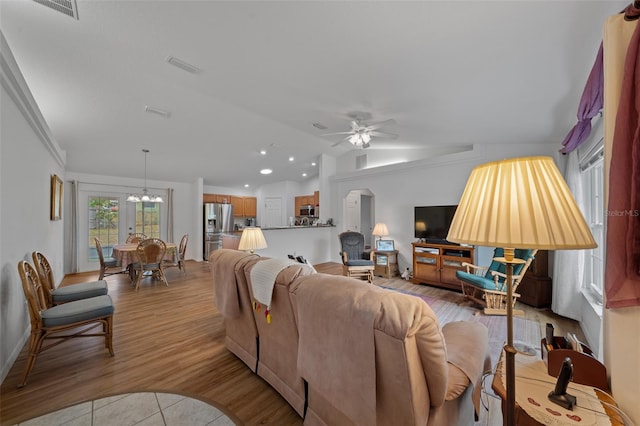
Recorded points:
(140, 409)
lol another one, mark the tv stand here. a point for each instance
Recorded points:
(437, 263)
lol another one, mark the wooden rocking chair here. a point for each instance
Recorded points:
(486, 285)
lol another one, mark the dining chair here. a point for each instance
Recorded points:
(107, 264)
(51, 322)
(150, 254)
(180, 255)
(136, 237)
(67, 293)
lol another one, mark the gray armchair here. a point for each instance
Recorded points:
(356, 262)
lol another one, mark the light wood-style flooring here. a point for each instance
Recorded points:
(171, 339)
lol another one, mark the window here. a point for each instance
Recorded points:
(148, 219)
(103, 223)
(592, 177)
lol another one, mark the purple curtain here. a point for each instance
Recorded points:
(622, 274)
(590, 105)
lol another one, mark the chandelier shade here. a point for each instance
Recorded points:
(145, 197)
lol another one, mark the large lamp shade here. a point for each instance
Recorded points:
(518, 203)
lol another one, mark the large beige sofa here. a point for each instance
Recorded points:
(342, 351)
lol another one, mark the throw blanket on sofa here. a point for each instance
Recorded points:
(326, 344)
(263, 278)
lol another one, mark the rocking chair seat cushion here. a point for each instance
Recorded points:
(79, 291)
(77, 311)
(359, 262)
(478, 281)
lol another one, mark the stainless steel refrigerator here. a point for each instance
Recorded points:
(218, 220)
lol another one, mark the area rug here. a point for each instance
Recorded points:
(525, 331)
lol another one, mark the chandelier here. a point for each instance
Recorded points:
(145, 197)
(361, 139)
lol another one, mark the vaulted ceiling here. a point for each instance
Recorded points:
(449, 73)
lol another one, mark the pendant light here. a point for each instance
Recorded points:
(145, 197)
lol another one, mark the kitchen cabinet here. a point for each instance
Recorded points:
(244, 206)
(250, 206)
(306, 200)
(216, 198)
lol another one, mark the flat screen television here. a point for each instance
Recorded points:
(431, 223)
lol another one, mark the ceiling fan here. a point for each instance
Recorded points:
(361, 132)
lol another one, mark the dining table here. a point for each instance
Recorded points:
(125, 254)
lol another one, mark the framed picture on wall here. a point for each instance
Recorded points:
(385, 245)
(56, 198)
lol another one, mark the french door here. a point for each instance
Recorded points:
(109, 217)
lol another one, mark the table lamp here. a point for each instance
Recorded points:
(252, 239)
(518, 203)
(380, 230)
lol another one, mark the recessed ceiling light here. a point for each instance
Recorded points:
(266, 171)
(246, 185)
(291, 158)
(304, 175)
(313, 164)
(263, 152)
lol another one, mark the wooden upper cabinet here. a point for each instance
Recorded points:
(250, 206)
(216, 198)
(316, 198)
(238, 206)
(244, 206)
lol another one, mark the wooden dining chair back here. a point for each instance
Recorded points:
(61, 322)
(150, 253)
(108, 265)
(67, 293)
(136, 237)
(180, 255)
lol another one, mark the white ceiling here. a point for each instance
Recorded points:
(447, 72)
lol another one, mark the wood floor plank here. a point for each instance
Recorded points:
(170, 339)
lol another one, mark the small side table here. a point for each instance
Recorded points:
(385, 263)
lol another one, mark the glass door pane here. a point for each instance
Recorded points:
(103, 223)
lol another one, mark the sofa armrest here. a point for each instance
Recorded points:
(467, 353)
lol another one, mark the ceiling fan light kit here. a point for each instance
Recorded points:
(361, 133)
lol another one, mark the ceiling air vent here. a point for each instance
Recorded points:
(68, 7)
(183, 65)
(158, 111)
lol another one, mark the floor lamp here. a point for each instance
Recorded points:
(518, 203)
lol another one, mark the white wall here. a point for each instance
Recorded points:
(28, 158)
(435, 181)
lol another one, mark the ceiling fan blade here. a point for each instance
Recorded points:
(374, 126)
(384, 135)
(337, 133)
(355, 126)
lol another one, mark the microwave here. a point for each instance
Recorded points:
(307, 211)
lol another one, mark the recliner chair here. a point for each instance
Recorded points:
(356, 262)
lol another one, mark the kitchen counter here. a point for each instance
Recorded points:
(312, 242)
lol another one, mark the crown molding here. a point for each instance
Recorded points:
(13, 82)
